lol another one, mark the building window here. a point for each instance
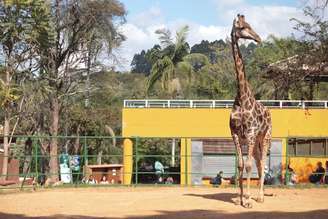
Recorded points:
(307, 147)
(303, 147)
(318, 147)
(222, 146)
(218, 146)
(292, 147)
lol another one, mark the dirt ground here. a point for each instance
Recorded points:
(161, 202)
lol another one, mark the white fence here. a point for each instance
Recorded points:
(323, 104)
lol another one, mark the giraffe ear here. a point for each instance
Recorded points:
(241, 19)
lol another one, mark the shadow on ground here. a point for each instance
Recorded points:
(193, 215)
(225, 197)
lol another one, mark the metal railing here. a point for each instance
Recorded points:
(153, 103)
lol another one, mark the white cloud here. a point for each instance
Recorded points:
(137, 39)
(152, 16)
(210, 33)
(265, 20)
(228, 3)
(143, 38)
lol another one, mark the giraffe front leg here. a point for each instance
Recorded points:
(264, 146)
(248, 165)
(251, 144)
(257, 156)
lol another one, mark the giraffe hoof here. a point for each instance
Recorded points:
(237, 201)
(248, 205)
(259, 199)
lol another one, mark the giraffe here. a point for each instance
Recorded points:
(250, 121)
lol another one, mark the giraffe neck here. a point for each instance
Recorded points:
(243, 90)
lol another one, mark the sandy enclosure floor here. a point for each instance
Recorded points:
(159, 202)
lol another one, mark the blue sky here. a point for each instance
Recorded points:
(207, 20)
(200, 11)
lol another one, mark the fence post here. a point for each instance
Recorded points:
(36, 158)
(286, 166)
(85, 156)
(77, 175)
(136, 161)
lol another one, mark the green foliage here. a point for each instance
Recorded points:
(8, 94)
(165, 61)
(154, 54)
(140, 64)
(196, 60)
(275, 49)
(17, 24)
(162, 69)
(209, 49)
(271, 51)
(214, 82)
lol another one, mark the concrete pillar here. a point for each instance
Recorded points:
(127, 161)
(185, 167)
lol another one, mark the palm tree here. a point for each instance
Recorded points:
(164, 61)
(189, 69)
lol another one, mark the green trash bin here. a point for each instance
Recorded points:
(65, 172)
(64, 159)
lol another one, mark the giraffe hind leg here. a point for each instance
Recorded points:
(264, 146)
(240, 168)
(251, 145)
(257, 157)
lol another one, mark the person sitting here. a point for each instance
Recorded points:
(169, 180)
(159, 171)
(103, 180)
(232, 180)
(216, 181)
(268, 176)
(92, 180)
(84, 180)
(292, 177)
(317, 175)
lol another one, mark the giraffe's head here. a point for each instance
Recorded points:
(241, 29)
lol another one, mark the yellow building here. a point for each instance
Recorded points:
(300, 130)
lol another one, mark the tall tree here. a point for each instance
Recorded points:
(314, 53)
(73, 27)
(273, 84)
(17, 23)
(140, 63)
(210, 49)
